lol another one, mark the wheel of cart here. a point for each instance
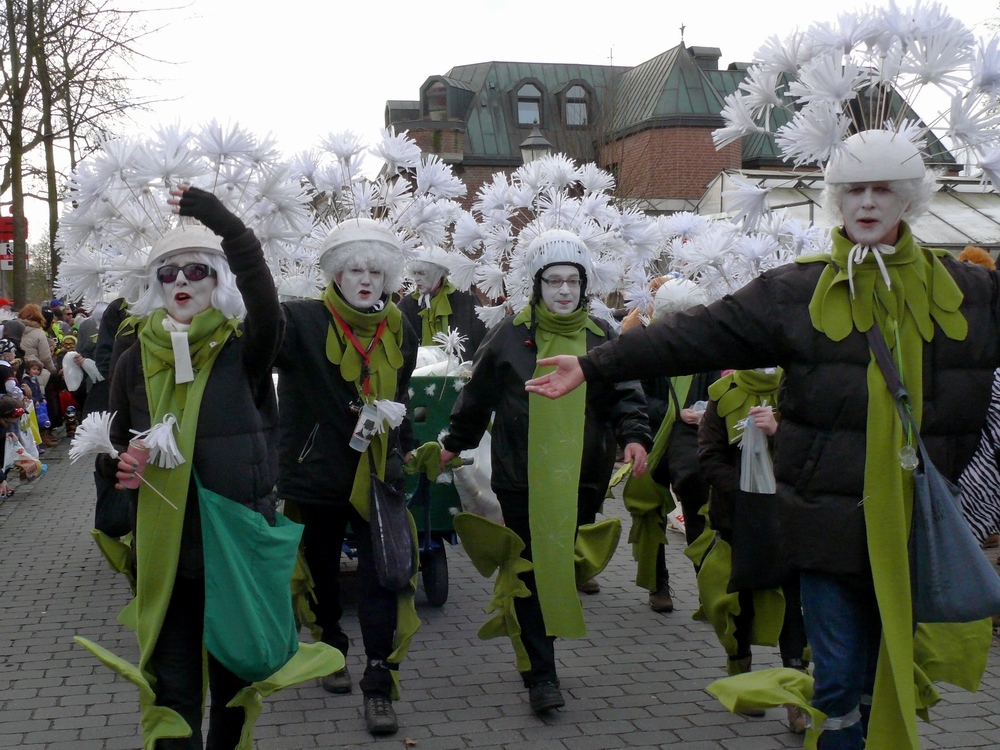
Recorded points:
(433, 505)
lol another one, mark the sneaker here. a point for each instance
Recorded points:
(338, 682)
(545, 696)
(798, 720)
(379, 715)
(661, 600)
(589, 587)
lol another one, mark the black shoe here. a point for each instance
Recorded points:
(338, 682)
(545, 696)
(379, 715)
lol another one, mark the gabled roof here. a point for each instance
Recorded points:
(670, 89)
(492, 134)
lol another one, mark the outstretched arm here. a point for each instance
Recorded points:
(567, 376)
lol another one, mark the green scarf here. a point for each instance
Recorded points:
(648, 502)
(555, 453)
(922, 293)
(386, 359)
(434, 319)
(738, 392)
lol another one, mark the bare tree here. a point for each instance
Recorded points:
(68, 62)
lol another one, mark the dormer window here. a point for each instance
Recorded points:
(529, 105)
(576, 106)
(436, 98)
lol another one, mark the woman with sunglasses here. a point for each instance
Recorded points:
(208, 329)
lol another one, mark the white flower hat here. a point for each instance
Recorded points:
(409, 203)
(843, 94)
(116, 204)
(565, 208)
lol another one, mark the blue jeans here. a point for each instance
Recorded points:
(844, 629)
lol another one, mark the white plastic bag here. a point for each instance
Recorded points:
(472, 483)
(756, 470)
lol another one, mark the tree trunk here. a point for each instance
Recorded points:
(20, 78)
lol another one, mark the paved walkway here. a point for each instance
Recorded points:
(637, 682)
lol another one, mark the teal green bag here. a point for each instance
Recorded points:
(249, 624)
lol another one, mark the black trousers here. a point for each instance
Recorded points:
(176, 664)
(323, 536)
(692, 491)
(539, 645)
(792, 639)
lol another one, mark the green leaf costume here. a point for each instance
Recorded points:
(434, 319)
(159, 526)
(922, 293)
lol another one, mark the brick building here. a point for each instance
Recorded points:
(651, 126)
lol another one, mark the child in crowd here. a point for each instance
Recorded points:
(32, 371)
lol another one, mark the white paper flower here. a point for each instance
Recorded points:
(739, 121)
(814, 134)
(748, 200)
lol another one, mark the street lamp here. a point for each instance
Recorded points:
(535, 146)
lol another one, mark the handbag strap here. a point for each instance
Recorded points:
(895, 384)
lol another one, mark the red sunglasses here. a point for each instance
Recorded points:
(192, 272)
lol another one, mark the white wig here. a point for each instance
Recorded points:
(226, 298)
(916, 193)
(373, 256)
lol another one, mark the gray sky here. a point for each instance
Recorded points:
(304, 68)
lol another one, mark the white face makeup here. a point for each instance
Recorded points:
(872, 213)
(361, 287)
(186, 298)
(561, 289)
(427, 278)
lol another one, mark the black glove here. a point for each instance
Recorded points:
(208, 209)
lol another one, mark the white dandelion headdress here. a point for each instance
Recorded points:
(863, 75)
(722, 255)
(117, 203)
(410, 202)
(494, 242)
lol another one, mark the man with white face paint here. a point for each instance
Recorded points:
(436, 305)
(843, 484)
(341, 352)
(551, 467)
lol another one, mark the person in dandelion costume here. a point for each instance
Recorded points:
(551, 462)
(208, 329)
(435, 305)
(351, 348)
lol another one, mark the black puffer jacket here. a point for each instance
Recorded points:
(680, 462)
(504, 361)
(820, 448)
(463, 318)
(317, 464)
(235, 448)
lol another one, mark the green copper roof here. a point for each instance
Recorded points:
(668, 90)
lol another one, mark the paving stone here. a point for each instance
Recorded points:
(637, 680)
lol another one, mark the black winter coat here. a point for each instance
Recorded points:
(680, 461)
(317, 464)
(502, 364)
(234, 451)
(820, 449)
(463, 318)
